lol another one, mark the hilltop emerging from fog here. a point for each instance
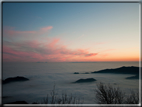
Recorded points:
(122, 70)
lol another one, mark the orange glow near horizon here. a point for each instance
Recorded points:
(56, 51)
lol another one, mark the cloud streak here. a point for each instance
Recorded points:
(11, 32)
(34, 48)
(42, 51)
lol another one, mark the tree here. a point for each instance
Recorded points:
(107, 94)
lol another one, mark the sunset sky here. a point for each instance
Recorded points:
(70, 32)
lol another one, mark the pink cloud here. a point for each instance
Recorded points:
(37, 51)
(91, 54)
(10, 54)
(11, 32)
(45, 29)
(34, 49)
(53, 42)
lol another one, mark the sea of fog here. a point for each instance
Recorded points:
(43, 76)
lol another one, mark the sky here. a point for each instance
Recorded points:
(70, 32)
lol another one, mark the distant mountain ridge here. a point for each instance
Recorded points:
(121, 70)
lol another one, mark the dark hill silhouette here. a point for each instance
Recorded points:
(122, 70)
(14, 79)
(76, 72)
(85, 80)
